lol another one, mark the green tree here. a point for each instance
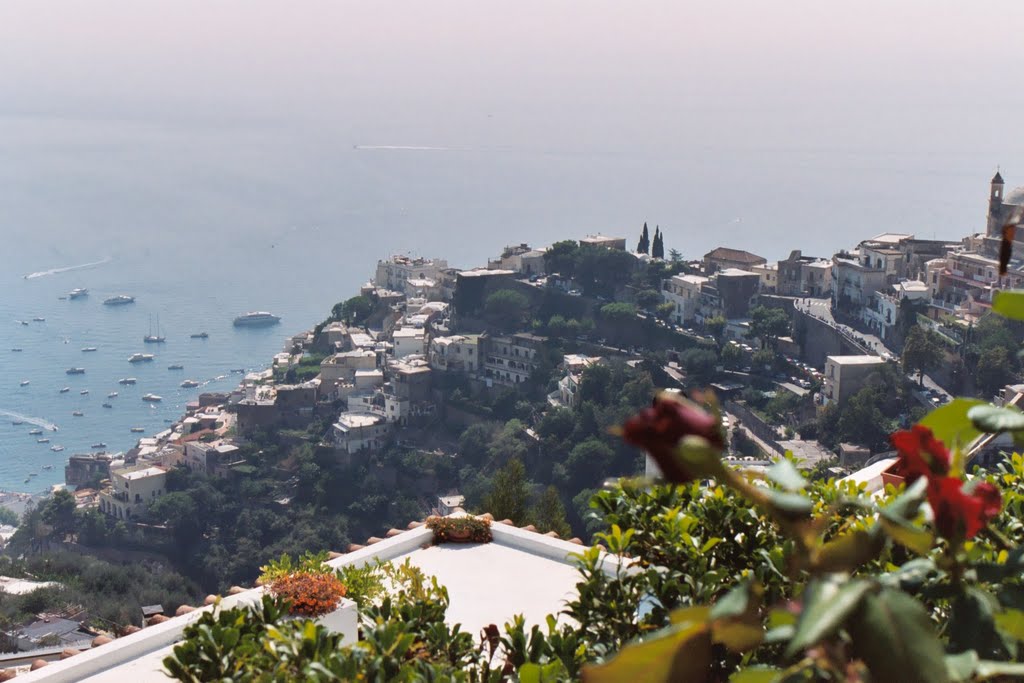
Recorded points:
(548, 514)
(768, 324)
(921, 352)
(715, 326)
(861, 421)
(58, 512)
(699, 364)
(644, 245)
(9, 516)
(508, 494)
(648, 299)
(353, 311)
(588, 463)
(618, 313)
(506, 309)
(675, 256)
(731, 355)
(665, 311)
(562, 258)
(994, 370)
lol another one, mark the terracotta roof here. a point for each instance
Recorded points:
(725, 253)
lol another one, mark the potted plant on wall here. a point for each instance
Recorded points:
(466, 529)
(311, 588)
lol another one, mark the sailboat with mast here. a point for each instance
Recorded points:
(154, 338)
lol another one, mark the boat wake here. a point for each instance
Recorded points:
(37, 421)
(404, 148)
(66, 269)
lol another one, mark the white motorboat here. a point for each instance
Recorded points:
(189, 384)
(43, 440)
(176, 366)
(36, 432)
(119, 300)
(136, 430)
(112, 394)
(127, 380)
(24, 382)
(78, 293)
(77, 413)
(88, 349)
(56, 449)
(39, 320)
(257, 319)
(152, 398)
(84, 392)
(140, 357)
(65, 390)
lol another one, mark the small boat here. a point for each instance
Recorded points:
(140, 357)
(201, 335)
(39, 320)
(126, 380)
(27, 480)
(238, 371)
(47, 467)
(56, 449)
(17, 422)
(62, 298)
(16, 350)
(107, 405)
(152, 398)
(119, 300)
(189, 384)
(84, 392)
(33, 474)
(78, 292)
(168, 420)
(65, 390)
(75, 371)
(176, 366)
(112, 394)
(77, 413)
(43, 440)
(36, 432)
(98, 445)
(23, 322)
(24, 382)
(88, 349)
(136, 430)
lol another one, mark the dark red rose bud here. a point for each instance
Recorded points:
(960, 515)
(658, 430)
(921, 454)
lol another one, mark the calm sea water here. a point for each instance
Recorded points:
(204, 221)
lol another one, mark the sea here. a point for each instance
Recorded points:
(210, 212)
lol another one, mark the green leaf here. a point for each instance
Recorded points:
(698, 614)
(972, 624)
(905, 506)
(827, 605)
(994, 419)
(961, 667)
(1009, 303)
(849, 551)
(790, 505)
(735, 603)
(915, 538)
(738, 636)
(1011, 622)
(755, 674)
(950, 423)
(893, 634)
(678, 655)
(785, 474)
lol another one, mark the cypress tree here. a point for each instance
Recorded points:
(644, 245)
(658, 250)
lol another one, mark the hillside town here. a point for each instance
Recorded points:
(380, 370)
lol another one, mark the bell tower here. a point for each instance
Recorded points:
(995, 206)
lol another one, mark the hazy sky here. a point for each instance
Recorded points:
(630, 110)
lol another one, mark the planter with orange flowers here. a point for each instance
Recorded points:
(466, 529)
(318, 596)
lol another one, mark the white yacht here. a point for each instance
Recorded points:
(43, 440)
(152, 398)
(119, 300)
(126, 380)
(77, 413)
(88, 349)
(189, 384)
(39, 320)
(35, 432)
(65, 390)
(140, 357)
(78, 292)
(257, 319)
(84, 392)
(24, 382)
(136, 430)
(56, 449)
(112, 394)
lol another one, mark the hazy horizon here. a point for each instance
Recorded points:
(802, 125)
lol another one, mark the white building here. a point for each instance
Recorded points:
(569, 384)
(457, 353)
(395, 272)
(683, 292)
(846, 375)
(359, 431)
(132, 490)
(408, 341)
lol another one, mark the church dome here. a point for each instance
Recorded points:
(1015, 197)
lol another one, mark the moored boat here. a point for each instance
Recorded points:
(152, 398)
(176, 366)
(88, 349)
(75, 371)
(107, 405)
(119, 300)
(24, 382)
(65, 390)
(140, 357)
(127, 380)
(257, 319)
(77, 413)
(78, 292)
(189, 384)
(56, 449)
(199, 335)
(136, 430)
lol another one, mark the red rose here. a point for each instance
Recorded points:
(921, 454)
(958, 514)
(659, 428)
